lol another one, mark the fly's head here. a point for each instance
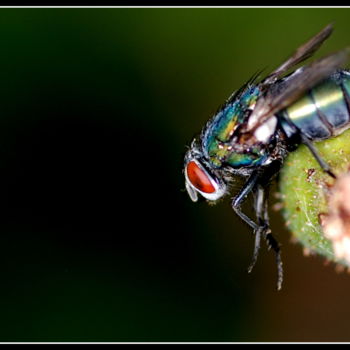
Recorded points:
(201, 177)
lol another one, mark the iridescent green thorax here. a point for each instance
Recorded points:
(217, 136)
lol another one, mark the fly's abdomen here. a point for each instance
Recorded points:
(324, 111)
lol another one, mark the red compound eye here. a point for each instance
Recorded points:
(199, 178)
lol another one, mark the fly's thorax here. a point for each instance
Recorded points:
(226, 121)
(245, 150)
(219, 137)
(237, 156)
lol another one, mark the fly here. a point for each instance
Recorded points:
(256, 128)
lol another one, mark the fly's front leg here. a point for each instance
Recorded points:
(257, 227)
(239, 199)
(261, 207)
(262, 227)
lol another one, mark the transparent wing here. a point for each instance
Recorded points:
(280, 96)
(301, 54)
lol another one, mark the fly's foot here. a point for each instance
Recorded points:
(258, 232)
(272, 243)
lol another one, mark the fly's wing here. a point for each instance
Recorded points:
(302, 80)
(301, 54)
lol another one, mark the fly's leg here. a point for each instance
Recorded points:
(257, 233)
(272, 243)
(261, 207)
(239, 199)
(308, 143)
(262, 227)
(270, 240)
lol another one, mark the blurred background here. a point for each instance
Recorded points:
(98, 239)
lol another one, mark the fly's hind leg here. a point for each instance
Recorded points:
(325, 167)
(308, 143)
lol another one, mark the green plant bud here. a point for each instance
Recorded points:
(316, 207)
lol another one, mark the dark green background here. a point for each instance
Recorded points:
(99, 241)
